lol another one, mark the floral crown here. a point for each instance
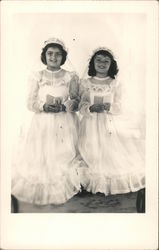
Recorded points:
(57, 41)
(101, 48)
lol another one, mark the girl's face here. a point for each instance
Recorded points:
(53, 58)
(102, 64)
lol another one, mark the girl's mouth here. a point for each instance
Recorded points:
(101, 67)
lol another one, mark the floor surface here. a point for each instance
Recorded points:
(87, 203)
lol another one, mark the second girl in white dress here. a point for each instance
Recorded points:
(113, 162)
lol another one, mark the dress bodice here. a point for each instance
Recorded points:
(62, 84)
(95, 90)
(55, 84)
(101, 90)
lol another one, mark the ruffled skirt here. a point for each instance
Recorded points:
(44, 165)
(113, 163)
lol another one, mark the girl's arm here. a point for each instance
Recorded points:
(116, 104)
(72, 103)
(74, 88)
(85, 100)
(33, 102)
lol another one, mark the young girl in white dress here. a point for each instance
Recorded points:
(114, 164)
(45, 169)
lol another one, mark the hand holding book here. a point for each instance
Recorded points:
(99, 106)
(53, 104)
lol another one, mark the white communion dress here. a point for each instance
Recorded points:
(114, 161)
(45, 166)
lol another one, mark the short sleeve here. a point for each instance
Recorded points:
(33, 102)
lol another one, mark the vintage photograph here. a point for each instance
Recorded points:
(79, 128)
(79, 96)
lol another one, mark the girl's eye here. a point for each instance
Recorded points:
(101, 61)
(56, 54)
(49, 53)
(98, 60)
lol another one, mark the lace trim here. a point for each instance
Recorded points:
(58, 78)
(107, 88)
(94, 182)
(56, 192)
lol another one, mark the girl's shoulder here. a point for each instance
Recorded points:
(34, 79)
(116, 83)
(71, 75)
(85, 82)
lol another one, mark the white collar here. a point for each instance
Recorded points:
(50, 71)
(101, 78)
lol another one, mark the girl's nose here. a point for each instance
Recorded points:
(102, 64)
(53, 56)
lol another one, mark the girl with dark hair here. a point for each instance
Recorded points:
(113, 163)
(45, 172)
(113, 69)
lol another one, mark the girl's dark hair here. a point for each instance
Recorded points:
(113, 70)
(43, 53)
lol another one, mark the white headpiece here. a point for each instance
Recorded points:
(55, 40)
(101, 48)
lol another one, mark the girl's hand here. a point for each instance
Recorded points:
(52, 108)
(107, 106)
(62, 107)
(57, 100)
(97, 108)
(57, 108)
(71, 105)
(46, 107)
